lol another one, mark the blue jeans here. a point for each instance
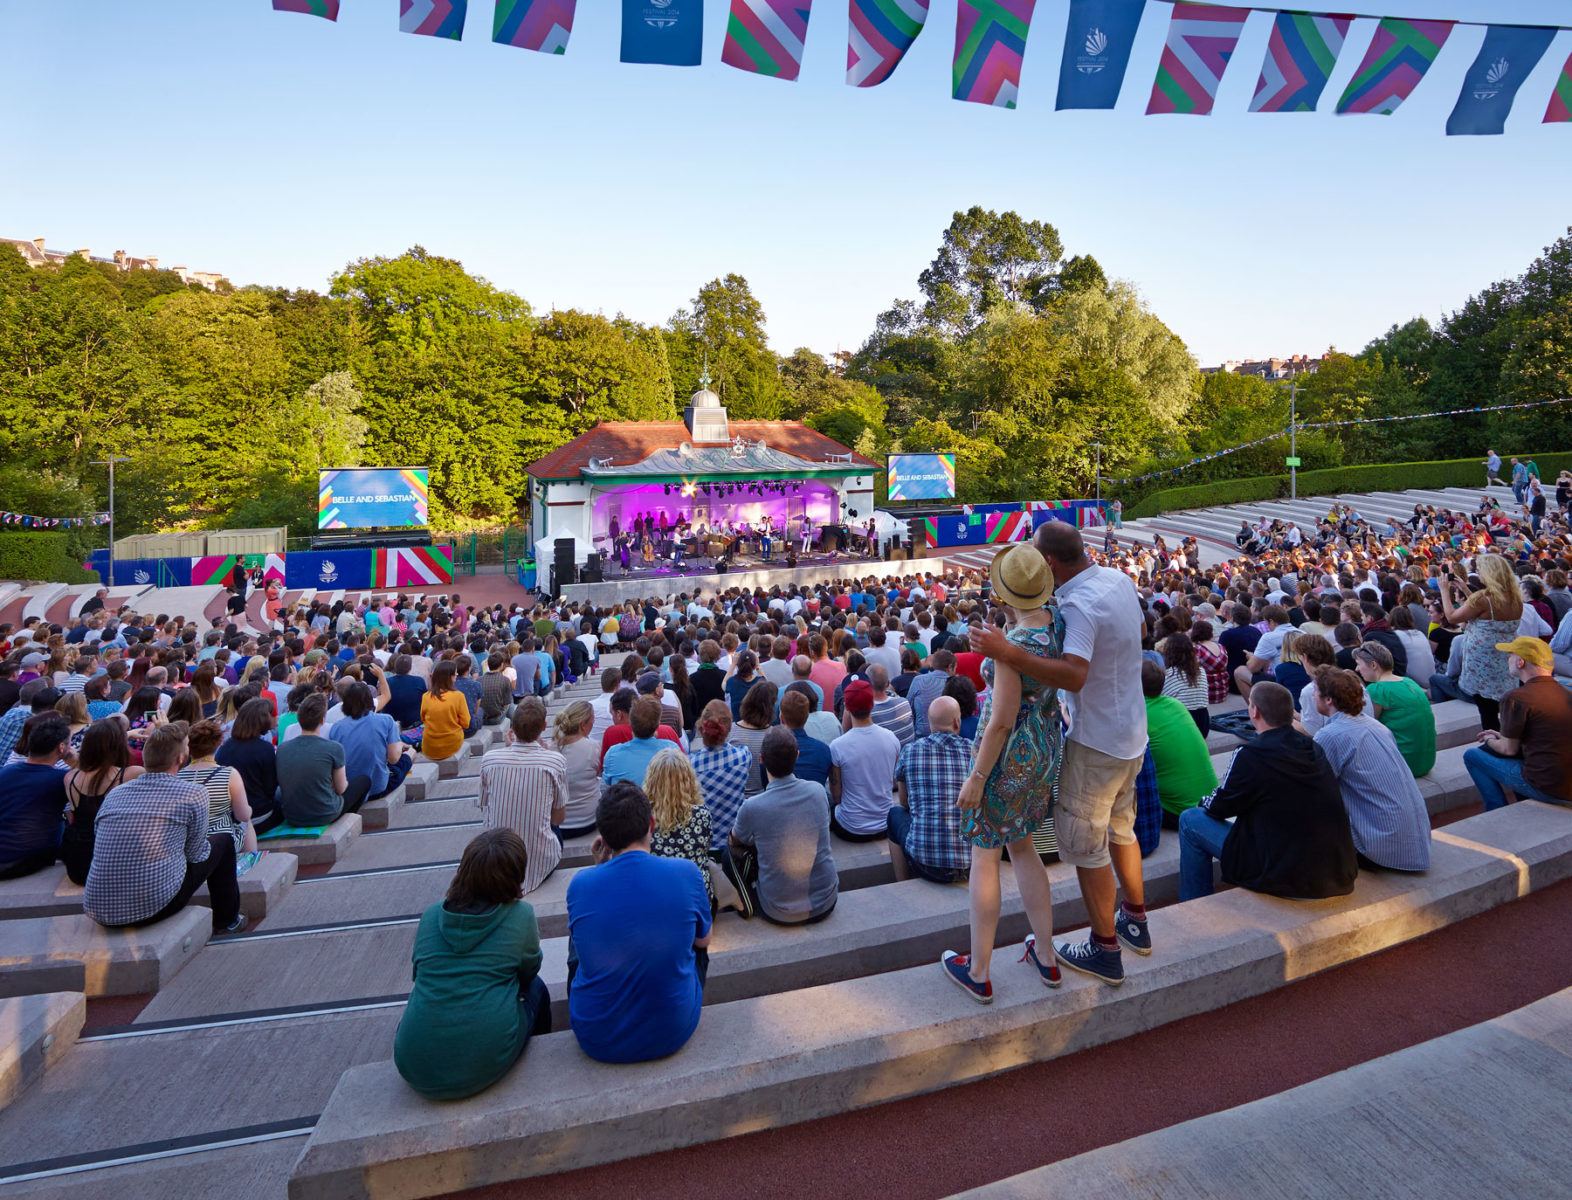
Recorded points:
(1201, 838)
(1494, 775)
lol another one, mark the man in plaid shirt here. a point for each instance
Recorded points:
(925, 831)
(151, 848)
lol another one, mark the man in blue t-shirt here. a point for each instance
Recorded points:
(813, 756)
(32, 797)
(640, 931)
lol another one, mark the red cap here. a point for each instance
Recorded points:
(858, 697)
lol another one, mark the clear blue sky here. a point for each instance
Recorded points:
(275, 148)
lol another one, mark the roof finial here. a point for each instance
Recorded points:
(704, 376)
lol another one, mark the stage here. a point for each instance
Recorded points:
(665, 582)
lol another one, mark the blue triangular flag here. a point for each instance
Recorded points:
(1509, 55)
(667, 32)
(1097, 45)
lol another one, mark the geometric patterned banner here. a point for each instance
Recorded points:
(990, 42)
(1403, 50)
(311, 8)
(879, 32)
(766, 36)
(413, 567)
(433, 18)
(1299, 61)
(1201, 40)
(1509, 55)
(542, 25)
(1560, 110)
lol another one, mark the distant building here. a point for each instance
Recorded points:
(37, 254)
(1269, 368)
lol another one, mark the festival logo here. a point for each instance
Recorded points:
(1494, 78)
(657, 17)
(1095, 57)
(141, 577)
(329, 572)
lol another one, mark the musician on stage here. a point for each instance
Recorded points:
(807, 534)
(649, 551)
(765, 535)
(616, 528)
(625, 552)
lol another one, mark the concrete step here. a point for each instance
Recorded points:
(35, 1033)
(820, 1051)
(461, 810)
(378, 814)
(250, 1171)
(885, 928)
(421, 776)
(327, 848)
(48, 893)
(76, 954)
(1501, 1080)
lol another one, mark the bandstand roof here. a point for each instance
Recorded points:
(661, 451)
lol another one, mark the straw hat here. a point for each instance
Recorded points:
(1021, 578)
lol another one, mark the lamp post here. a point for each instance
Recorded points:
(1293, 442)
(1097, 478)
(110, 463)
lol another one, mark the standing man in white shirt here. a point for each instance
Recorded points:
(1099, 678)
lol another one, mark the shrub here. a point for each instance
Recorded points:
(44, 556)
(1375, 477)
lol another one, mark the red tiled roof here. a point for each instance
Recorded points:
(629, 442)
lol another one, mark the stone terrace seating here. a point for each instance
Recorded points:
(1504, 1081)
(821, 1050)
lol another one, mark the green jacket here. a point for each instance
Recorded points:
(462, 1028)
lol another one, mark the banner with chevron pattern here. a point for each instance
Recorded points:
(311, 8)
(411, 567)
(878, 35)
(767, 37)
(1201, 40)
(1401, 54)
(433, 18)
(1509, 54)
(541, 25)
(1560, 110)
(990, 43)
(1299, 59)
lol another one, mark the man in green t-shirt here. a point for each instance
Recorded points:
(1184, 764)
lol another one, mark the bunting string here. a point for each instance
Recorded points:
(1304, 426)
(769, 37)
(29, 521)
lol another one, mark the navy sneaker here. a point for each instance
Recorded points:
(959, 968)
(1049, 974)
(1091, 959)
(1132, 932)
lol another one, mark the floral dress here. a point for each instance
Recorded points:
(998, 821)
(690, 841)
(1485, 670)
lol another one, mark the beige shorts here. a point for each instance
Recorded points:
(1096, 805)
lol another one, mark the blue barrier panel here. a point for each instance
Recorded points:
(329, 570)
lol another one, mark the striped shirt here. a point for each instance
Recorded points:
(1386, 812)
(1191, 695)
(519, 785)
(895, 714)
(145, 834)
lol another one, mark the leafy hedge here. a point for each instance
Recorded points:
(1377, 477)
(46, 557)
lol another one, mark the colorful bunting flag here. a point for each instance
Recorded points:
(665, 32)
(990, 42)
(1299, 60)
(433, 18)
(1506, 59)
(311, 8)
(1402, 51)
(879, 32)
(1201, 40)
(1096, 51)
(767, 36)
(29, 521)
(543, 25)
(1560, 110)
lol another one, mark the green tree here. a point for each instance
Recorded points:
(987, 260)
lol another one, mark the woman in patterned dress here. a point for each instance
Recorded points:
(682, 822)
(1009, 794)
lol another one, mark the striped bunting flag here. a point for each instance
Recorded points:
(1299, 60)
(1201, 40)
(990, 42)
(1402, 51)
(878, 34)
(433, 18)
(767, 36)
(1560, 110)
(543, 25)
(311, 8)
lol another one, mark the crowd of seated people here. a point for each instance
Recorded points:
(743, 736)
